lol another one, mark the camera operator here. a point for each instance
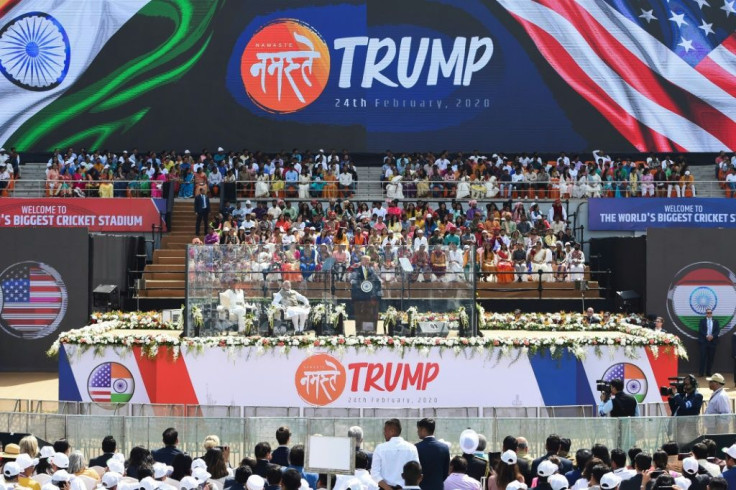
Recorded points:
(687, 400)
(616, 402)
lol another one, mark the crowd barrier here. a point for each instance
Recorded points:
(85, 432)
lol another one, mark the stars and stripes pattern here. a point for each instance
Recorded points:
(32, 300)
(662, 72)
(100, 385)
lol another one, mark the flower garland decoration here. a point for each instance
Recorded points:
(99, 335)
(412, 318)
(145, 320)
(197, 316)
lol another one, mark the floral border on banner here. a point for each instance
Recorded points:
(98, 336)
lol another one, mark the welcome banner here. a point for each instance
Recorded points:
(638, 214)
(96, 214)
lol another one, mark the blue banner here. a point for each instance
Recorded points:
(638, 214)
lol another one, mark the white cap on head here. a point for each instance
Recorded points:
(220, 148)
(11, 469)
(60, 460)
(509, 457)
(45, 486)
(188, 483)
(47, 452)
(547, 468)
(115, 466)
(161, 470)
(201, 475)
(516, 485)
(255, 482)
(730, 451)
(558, 482)
(111, 479)
(198, 463)
(149, 483)
(690, 465)
(609, 481)
(61, 476)
(24, 461)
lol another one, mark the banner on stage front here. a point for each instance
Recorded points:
(638, 214)
(128, 215)
(358, 378)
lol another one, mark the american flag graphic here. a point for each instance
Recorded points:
(33, 300)
(662, 72)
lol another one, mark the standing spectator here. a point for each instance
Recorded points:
(719, 402)
(296, 462)
(263, 459)
(202, 209)
(166, 454)
(434, 456)
(390, 457)
(280, 455)
(708, 331)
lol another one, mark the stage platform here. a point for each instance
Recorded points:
(134, 359)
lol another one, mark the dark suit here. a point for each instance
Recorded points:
(565, 464)
(100, 460)
(360, 275)
(434, 456)
(280, 456)
(707, 347)
(261, 468)
(477, 467)
(166, 454)
(368, 455)
(633, 483)
(525, 471)
(202, 208)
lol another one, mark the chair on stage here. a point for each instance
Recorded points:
(233, 308)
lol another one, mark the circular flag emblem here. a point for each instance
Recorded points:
(33, 300)
(285, 66)
(110, 383)
(697, 288)
(320, 379)
(635, 382)
(34, 51)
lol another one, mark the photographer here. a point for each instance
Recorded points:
(687, 400)
(615, 401)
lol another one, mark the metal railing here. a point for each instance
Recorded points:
(408, 189)
(85, 432)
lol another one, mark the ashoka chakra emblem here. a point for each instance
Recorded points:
(34, 51)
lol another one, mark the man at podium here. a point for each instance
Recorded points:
(365, 289)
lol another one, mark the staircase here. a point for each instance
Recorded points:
(32, 182)
(166, 276)
(368, 183)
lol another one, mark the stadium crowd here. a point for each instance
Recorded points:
(510, 243)
(320, 174)
(393, 465)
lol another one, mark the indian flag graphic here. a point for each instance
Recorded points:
(700, 287)
(111, 382)
(635, 381)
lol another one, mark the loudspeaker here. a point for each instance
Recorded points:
(433, 329)
(106, 296)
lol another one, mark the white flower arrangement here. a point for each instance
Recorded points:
(99, 335)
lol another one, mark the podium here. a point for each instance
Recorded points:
(365, 296)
